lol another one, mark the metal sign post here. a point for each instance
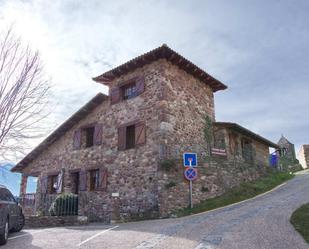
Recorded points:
(190, 173)
(190, 197)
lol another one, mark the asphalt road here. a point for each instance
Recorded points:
(262, 222)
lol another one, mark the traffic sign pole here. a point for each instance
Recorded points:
(190, 195)
(190, 173)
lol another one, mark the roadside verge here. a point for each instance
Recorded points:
(244, 191)
(300, 221)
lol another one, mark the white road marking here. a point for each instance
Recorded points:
(26, 234)
(96, 235)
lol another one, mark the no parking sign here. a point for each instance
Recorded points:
(190, 174)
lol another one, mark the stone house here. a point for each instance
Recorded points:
(241, 144)
(113, 151)
(303, 156)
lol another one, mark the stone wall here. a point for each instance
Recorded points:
(214, 178)
(54, 221)
(132, 174)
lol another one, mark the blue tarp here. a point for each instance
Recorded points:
(273, 160)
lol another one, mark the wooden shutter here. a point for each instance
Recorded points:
(98, 132)
(103, 178)
(115, 95)
(77, 139)
(140, 85)
(122, 138)
(83, 180)
(140, 133)
(44, 183)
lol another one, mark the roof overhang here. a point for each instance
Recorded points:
(245, 131)
(68, 124)
(163, 52)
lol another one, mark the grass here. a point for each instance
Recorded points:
(242, 192)
(300, 221)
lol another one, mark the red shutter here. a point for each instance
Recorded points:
(98, 132)
(44, 182)
(122, 138)
(140, 133)
(115, 95)
(83, 180)
(77, 139)
(140, 85)
(103, 178)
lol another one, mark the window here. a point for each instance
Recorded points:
(75, 182)
(89, 134)
(247, 150)
(53, 182)
(131, 135)
(94, 179)
(129, 91)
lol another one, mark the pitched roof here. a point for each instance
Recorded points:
(247, 132)
(68, 124)
(283, 140)
(163, 52)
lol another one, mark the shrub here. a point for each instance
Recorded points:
(204, 189)
(170, 185)
(168, 164)
(65, 204)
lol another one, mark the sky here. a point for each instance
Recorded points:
(12, 180)
(259, 49)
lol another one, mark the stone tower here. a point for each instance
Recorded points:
(287, 149)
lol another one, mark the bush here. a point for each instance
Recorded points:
(204, 189)
(170, 185)
(168, 164)
(65, 204)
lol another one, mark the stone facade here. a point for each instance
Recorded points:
(303, 156)
(287, 149)
(172, 107)
(54, 221)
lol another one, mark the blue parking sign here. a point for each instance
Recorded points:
(190, 159)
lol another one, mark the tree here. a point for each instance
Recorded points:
(23, 95)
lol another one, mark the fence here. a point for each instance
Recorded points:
(49, 204)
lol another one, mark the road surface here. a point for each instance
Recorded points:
(262, 222)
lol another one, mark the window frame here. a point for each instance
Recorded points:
(130, 137)
(132, 87)
(123, 134)
(52, 179)
(94, 184)
(89, 135)
(75, 174)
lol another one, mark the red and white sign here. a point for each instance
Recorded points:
(220, 152)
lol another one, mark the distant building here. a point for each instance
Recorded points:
(303, 156)
(287, 149)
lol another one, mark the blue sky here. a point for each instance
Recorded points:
(258, 48)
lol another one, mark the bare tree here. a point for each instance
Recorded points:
(23, 96)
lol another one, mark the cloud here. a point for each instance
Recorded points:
(258, 48)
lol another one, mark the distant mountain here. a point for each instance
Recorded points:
(12, 180)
